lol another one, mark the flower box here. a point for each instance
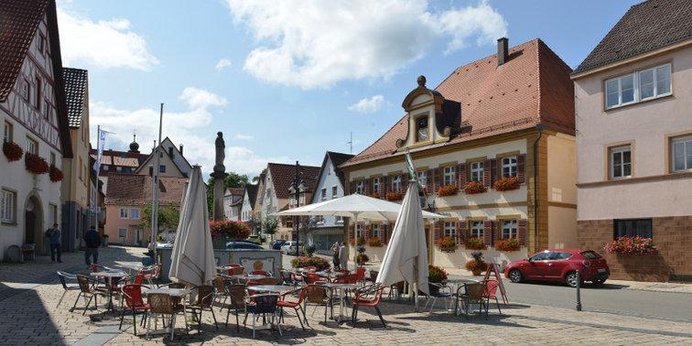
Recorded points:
(374, 242)
(35, 164)
(506, 183)
(436, 274)
(394, 196)
(507, 245)
(475, 243)
(12, 151)
(447, 244)
(232, 230)
(447, 190)
(55, 174)
(474, 187)
(631, 246)
(317, 262)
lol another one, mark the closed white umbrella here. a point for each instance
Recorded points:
(192, 258)
(406, 257)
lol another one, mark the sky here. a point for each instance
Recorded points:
(287, 81)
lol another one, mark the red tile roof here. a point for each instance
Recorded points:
(129, 189)
(532, 87)
(283, 175)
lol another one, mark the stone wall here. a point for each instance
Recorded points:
(672, 236)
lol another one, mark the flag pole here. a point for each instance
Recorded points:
(98, 169)
(155, 190)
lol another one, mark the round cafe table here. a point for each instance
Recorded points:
(280, 289)
(341, 288)
(109, 277)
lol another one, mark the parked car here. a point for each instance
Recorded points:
(243, 245)
(276, 244)
(560, 265)
(289, 247)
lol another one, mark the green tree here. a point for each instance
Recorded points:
(270, 225)
(168, 217)
(236, 180)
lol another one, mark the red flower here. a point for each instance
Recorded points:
(12, 151)
(448, 190)
(506, 183)
(35, 164)
(631, 246)
(55, 174)
(474, 187)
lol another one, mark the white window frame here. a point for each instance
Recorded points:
(31, 145)
(637, 86)
(510, 229)
(134, 214)
(396, 183)
(509, 166)
(359, 231)
(375, 231)
(8, 206)
(360, 187)
(476, 171)
(376, 185)
(686, 154)
(8, 134)
(612, 153)
(477, 229)
(449, 175)
(335, 191)
(120, 233)
(450, 229)
(124, 213)
(323, 194)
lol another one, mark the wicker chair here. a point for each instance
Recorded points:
(473, 295)
(162, 304)
(238, 294)
(205, 298)
(87, 289)
(318, 296)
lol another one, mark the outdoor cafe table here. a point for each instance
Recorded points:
(108, 277)
(326, 274)
(130, 266)
(341, 288)
(456, 284)
(246, 276)
(173, 292)
(280, 289)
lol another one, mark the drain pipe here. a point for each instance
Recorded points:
(540, 128)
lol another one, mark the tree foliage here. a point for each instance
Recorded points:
(270, 225)
(168, 217)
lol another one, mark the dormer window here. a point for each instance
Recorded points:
(422, 129)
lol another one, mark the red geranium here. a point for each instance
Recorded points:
(35, 164)
(55, 174)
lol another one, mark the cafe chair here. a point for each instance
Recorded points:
(237, 293)
(205, 298)
(162, 304)
(491, 293)
(296, 305)
(220, 290)
(473, 295)
(64, 277)
(132, 294)
(318, 296)
(369, 297)
(443, 292)
(87, 289)
(262, 304)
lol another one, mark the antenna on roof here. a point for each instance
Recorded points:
(350, 143)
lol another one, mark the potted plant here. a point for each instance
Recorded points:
(474, 187)
(35, 164)
(12, 151)
(475, 243)
(476, 265)
(447, 244)
(310, 249)
(507, 245)
(506, 183)
(55, 174)
(394, 196)
(436, 275)
(448, 190)
(312, 261)
(374, 242)
(631, 246)
(224, 230)
(361, 258)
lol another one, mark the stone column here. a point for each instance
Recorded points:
(219, 175)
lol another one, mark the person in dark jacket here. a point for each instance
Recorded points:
(55, 243)
(93, 241)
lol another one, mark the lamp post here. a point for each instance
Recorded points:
(297, 187)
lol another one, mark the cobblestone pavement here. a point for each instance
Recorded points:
(29, 293)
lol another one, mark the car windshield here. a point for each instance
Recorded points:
(590, 255)
(541, 256)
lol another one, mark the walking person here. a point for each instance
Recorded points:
(55, 237)
(93, 241)
(343, 256)
(335, 255)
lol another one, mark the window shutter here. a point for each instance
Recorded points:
(521, 170)
(522, 226)
(352, 187)
(497, 230)
(384, 183)
(366, 231)
(493, 171)
(488, 232)
(366, 187)
(461, 232)
(461, 175)
(487, 176)
(385, 233)
(438, 178)
(438, 230)
(404, 181)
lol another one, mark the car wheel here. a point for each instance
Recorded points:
(515, 275)
(598, 281)
(571, 279)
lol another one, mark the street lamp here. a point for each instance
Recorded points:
(296, 188)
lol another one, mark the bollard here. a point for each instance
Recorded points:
(578, 291)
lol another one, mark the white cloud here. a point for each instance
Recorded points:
(196, 98)
(222, 64)
(366, 105)
(243, 137)
(103, 44)
(245, 161)
(318, 43)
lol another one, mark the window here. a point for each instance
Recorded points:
(423, 178)
(396, 183)
(123, 213)
(509, 166)
(104, 167)
(339, 219)
(334, 191)
(8, 206)
(543, 256)
(162, 168)
(122, 232)
(52, 158)
(509, 229)
(324, 194)
(31, 146)
(80, 169)
(450, 229)
(477, 229)
(681, 149)
(8, 134)
(39, 98)
(26, 90)
(476, 171)
(46, 109)
(421, 129)
(134, 213)
(41, 43)
(632, 228)
(118, 169)
(449, 175)
(376, 231)
(359, 187)
(359, 231)
(375, 185)
(638, 86)
(620, 162)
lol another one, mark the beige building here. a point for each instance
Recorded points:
(503, 123)
(634, 142)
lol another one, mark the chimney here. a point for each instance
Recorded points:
(502, 50)
(181, 150)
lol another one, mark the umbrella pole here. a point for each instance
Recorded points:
(415, 283)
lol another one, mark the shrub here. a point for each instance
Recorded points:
(304, 261)
(12, 151)
(374, 242)
(394, 196)
(506, 183)
(474, 187)
(55, 174)
(35, 164)
(436, 274)
(310, 250)
(476, 266)
(230, 229)
(475, 243)
(447, 190)
(631, 246)
(360, 241)
(507, 245)
(447, 244)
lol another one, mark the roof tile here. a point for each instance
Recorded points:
(76, 83)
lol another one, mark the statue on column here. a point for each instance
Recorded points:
(219, 176)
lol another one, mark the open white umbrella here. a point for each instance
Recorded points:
(192, 258)
(406, 257)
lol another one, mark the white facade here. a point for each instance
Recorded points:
(246, 208)
(328, 187)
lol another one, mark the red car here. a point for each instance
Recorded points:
(560, 265)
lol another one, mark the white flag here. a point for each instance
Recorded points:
(99, 151)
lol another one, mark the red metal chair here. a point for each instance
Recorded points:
(132, 294)
(235, 269)
(370, 297)
(295, 305)
(490, 293)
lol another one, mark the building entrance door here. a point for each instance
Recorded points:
(33, 225)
